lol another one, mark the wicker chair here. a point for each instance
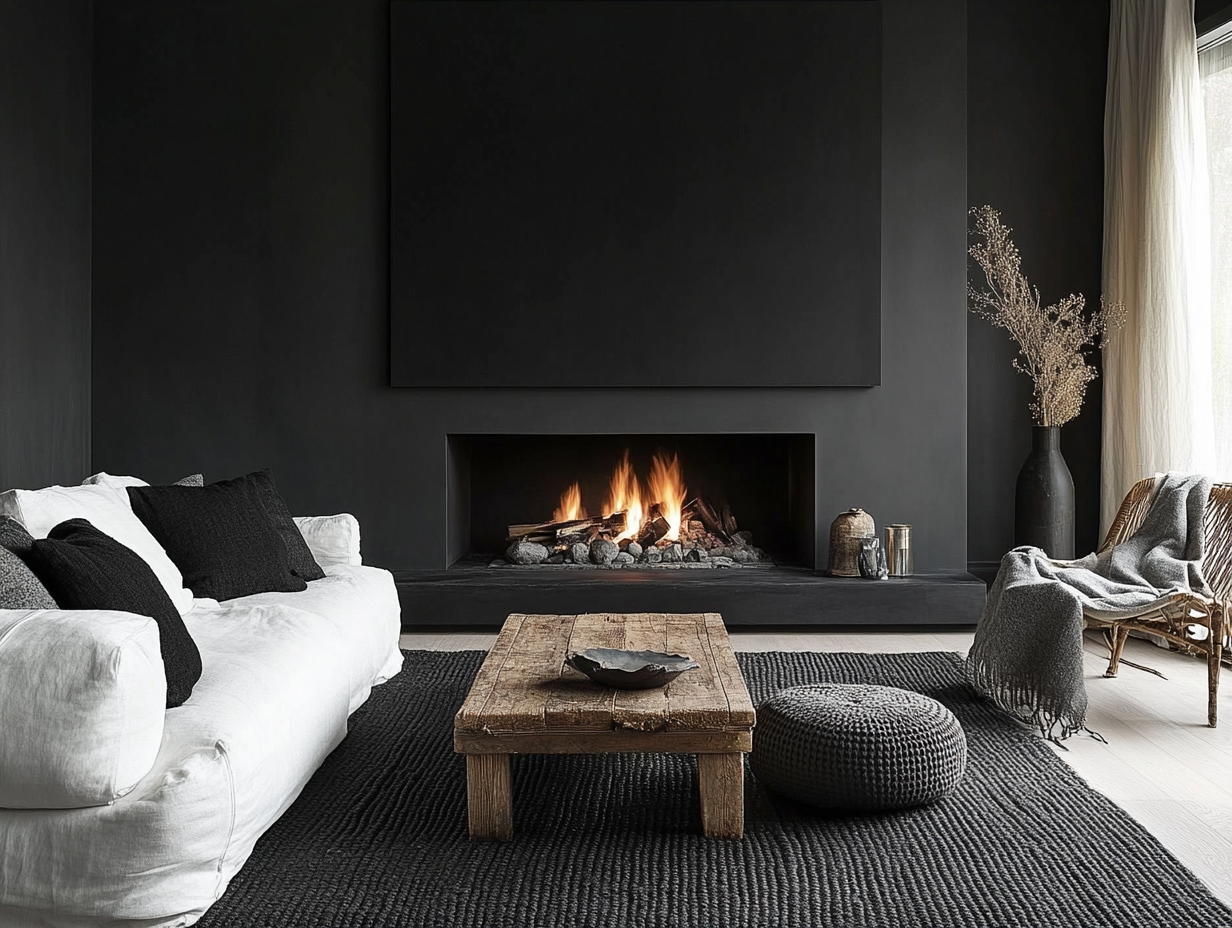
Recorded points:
(1184, 611)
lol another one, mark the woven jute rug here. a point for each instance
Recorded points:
(379, 836)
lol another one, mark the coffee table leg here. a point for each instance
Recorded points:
(489, 797)
(721, 783)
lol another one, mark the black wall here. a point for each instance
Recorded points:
(45, 60)
(241, 296)
(1036, 76)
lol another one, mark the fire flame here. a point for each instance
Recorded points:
(625, 493)
(667, 488)
(570, 505)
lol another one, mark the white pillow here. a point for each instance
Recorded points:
(116, 482)
(108, 511)
(83, 696)
(331, 539)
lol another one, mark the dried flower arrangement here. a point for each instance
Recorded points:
(1052, 342)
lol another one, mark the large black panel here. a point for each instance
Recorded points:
(653, 194)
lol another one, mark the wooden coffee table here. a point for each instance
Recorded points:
(526, 700)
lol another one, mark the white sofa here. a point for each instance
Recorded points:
(281, 674)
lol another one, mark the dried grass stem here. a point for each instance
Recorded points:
(1052, 341)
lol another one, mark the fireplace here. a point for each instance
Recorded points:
(645, 502)
(768, 482)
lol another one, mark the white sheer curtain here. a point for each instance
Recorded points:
(1158, 411)
(1215, 68)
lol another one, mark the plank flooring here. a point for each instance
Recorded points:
(1161, 763)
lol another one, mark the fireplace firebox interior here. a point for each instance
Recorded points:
(762, 483)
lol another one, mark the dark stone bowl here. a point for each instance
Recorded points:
(630, 670)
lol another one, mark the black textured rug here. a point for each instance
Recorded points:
(379, 838)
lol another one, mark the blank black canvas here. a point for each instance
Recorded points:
(635, 194)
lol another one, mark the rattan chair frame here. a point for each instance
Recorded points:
(1177, 618)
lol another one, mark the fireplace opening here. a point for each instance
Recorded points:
(632, 502)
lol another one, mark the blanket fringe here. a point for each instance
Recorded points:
(1022, 702)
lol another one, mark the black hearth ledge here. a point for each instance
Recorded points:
(791, 596)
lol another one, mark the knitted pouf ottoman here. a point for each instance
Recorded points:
(854, 746)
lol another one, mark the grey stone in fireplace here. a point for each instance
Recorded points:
(698, 550)
(710, 563)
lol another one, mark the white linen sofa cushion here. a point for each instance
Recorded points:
(82, 701)
(108, 511)
(331, 539)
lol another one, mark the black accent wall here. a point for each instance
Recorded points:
(241, 288)
(45, 61)
(1036, 79)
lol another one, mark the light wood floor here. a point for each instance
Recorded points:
(1161, 763)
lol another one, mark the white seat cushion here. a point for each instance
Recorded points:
(42, 510)
(115, 481)
(82, 702)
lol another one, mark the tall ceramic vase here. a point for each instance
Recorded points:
(1044, 500)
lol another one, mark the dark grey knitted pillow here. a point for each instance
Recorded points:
(84, 568)
(19, 587)
(858, 746)
(219, 537)
(303, 564)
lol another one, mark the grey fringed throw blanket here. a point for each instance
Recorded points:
(1027, 654)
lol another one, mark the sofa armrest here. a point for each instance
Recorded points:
(331, 539)
(82, 703)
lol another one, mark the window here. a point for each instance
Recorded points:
(1215, 68)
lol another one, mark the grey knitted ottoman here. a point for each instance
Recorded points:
(854, 746)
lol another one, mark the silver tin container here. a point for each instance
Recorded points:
(899, 556)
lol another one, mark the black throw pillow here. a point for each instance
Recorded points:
(219, 537)
(83, 568)
(303, 564)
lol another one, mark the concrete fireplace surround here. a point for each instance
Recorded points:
(769, 480)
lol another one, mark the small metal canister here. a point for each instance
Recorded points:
(846, 531)
(899, 557)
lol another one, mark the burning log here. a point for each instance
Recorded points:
(539, 539)
(557, 531)
(708, 517)
(652, 531)
(729, 521)
(610, 525)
